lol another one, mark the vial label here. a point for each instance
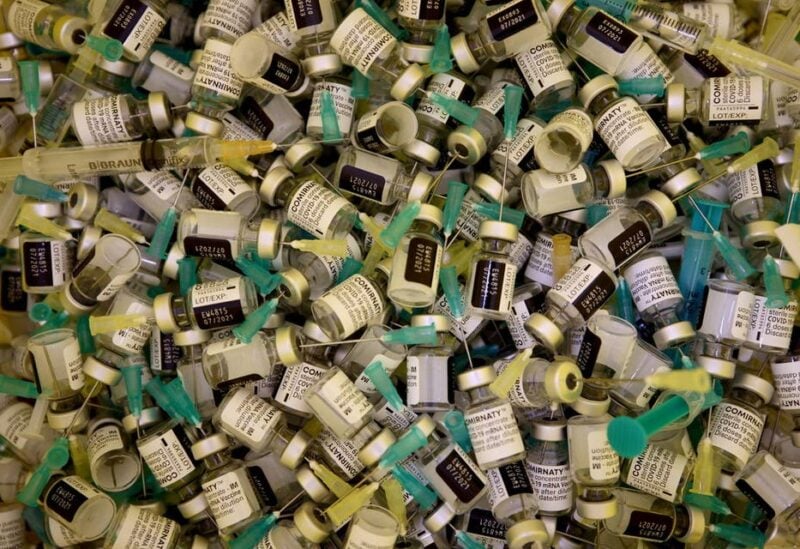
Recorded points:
(303, 13)
(493, 285)
(461, 475)
(343, 452)
(367, 134)
(510, 19)
(360, 537)
(645, 63)
(277, 28)
(629, 242)
(611, 32)
(578, 122)
(716, 16)
(520, 151)
(218, 304)
(771, 486)
(786, 378)
(650, 526)
(759, 181)
(423, 261)
(492, 99)
(230, 498)
(103, 440)
(603, 460)
(60, 535)
(428, 381)
(363, 183)
(233, 17)
(735, 100)
(468, 221)
(769, 327)
(73, 364)
(425, 10)
(486, 529)
(587, 286)
(282, 74)
(552, 485)
(343, 104)
(12, 527)
(264, 492)
(707, 65)
(360, 41)
(657, 471)
(644, 393)
(341, 397)
(168, 456)
(254, 118)
(22, 18)
(624, 127)
(726, 316)
(520, 251)
(540, 262)
(141, 528)
(137, 26)
(133, 338)
(462, 327)
(217, 186)
(494, 432)
(13, 298)
(652, 283)
(507, 481)
(171, 66)
(13, 421)
(295, 382)
(355, 301)
(314, 207)
(45, 264)
(101, 120)
(520, 313)
(67, 495)
(163, 184)
(449, 86)
(212, 248)
(251, 418)
(542, 67)
(164, 354)
(214, 71)
(235, 129)
(588, 352)
(736, 430)
(563, 181)
(395, 420)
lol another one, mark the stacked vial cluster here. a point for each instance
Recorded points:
(409, 274)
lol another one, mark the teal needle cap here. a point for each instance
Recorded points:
(255, 321)
(40, 312)
(54, 459)
(330, 121)
(350, 267)
(265, 281)
(411, 441)
(735, 260)
(621, 9)
(511, 106)
(491, 210)
(184, 405)
(777, 297)
(713, 211)
(253, 534)
(132, 375)
(18, 387)
(709, 503)
(643, 86)
(84, 334)
(440, 59)
(31, 92)
(456, 191)
(159, 244)
(462, 112)
(412, 335)
(448, 278)
(742, 536)
(381, 380)
(625, 307)
(26, 186)
(109, 48)
(398, 226)
(736, 144)
(423, 495)
(468, 542)
(187, 273)
(455, 424)
(359, 85)
(156, 390)
(628, 436)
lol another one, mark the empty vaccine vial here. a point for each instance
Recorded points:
(155, 192)
(248, 419)
(207, 306)
(415, 265)
(226, 20)
(429, 386)
(453, 474)
(737, 422)
(491, 283)
(540, 263)
(12, 525)
(493, 429)
(136, 24)
(756, 204)
(642, 516)
(259, 61)
(594, 466)
(547, 462)
(312, 26)
(160, 72)
(643, 360)
(770, 329)
(379, 178)
(386, 129)
(166, 449)
(505, 31)
(78, 505)
(309, 205)
(365, 45)
(227, 235)
(136, 526)
(56, 362)
(658, 299)
(470, 143)
(627, 232)
(46, 25)
(622, 124)
(528, 298)
(219, 187)
(14, 419)
(773, 489)
(130, 299)
(118, 118)
(215, 89)
(339, 404)
(372, 527)
(114, 465)
(544, 383)
(46, 263)
(519, 152)
(546, 74)
(580, 293)
(421, 18)
(564, 141)
(545, 193)
(725, 101)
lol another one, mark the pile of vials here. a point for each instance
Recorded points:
(297, 274)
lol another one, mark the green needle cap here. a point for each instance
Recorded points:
(448, 278)
(17, 387)
(643, 86)
(410, 442)
(183, 402)
(423, 495)
(454, 421)
(253, 534)
(512, 105)
(255, 321)
(380, 378)
(440, 59)
(156, 390)
(452, 205)
(618, 8)
(265, 281)
(736, 261)
(392, 234)
(187, 273)
(31, 92)
(26, 186)
(741, 536)
(84, 334)
(625, 307)
(467, 541)
(462, 112)
(159, 244)
(777, 297)
(412, 335)
(736, 144)
(330, 121)
(107, 47)
(709, 503)
(350, 267)
(359, 85)
(133, 387)
(491, 210)
(56, 457)
(628, 436)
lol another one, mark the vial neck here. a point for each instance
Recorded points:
(481, 394)
(217, 460)
(600, 182)
(747, 397)
(495, 245)
(650, 214)
(682, 521)
(603, 101)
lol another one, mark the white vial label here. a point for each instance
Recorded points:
(171, 66)
(342, 398)
(13, 420)
(540, 263)
(236, 129)
(344, 452)
(520, 313)
(360, 40)
(101, 120)
(141, 528)
(427, 380)
(769, 327)
(218, 186)
(168, 456)
(736, 430)
(22, 18)
(494, 432)
(102, 441)
(395, 420)
(586, 285)
(343, 103)
(492, 99)
(463, 327)
(726, 315)
(657, 471)
(277, 29)
(45, 264)
(520, 151)
(137, 26)
(390, 364)
(508, 481)
(735, 100)
(362, 538)
(652, 283)
(449, 86)
(759, 181)
(73, 362)
(542, 66)
(60, 535)
(624, 127)
(251, 418)
(233, 17)
(356, 301)
(644, 63)
(217, 304)
(215, 73)
(552, 485)
(786, 376)
(12, 527)
(295, 383)
(134, 338)
(230, 498)
(603, 460)
(163, 184)
(313, 208)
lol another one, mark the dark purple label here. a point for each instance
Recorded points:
(12, 297)
(511, 20)
(595, 295)
(263, 490)
(283, 72)
(361, 182)
(198, 246)
(768, 179)
(611, 32)
(652, 526)
(587, 356)
(515, 478)
(251, 113)
(421, 261)
(64, 500)
(487, 291)
(37, 261)
(306, 12)
(707, 65)
(207, 196)
(125, 20)
(431, 10)
(629, 242)
(483, 523)
(460, 477)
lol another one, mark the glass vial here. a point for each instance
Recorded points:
(115, 467)
(414, 281)
(339, 404)
(548, 466)
(136, 24)
(594, 466)
(491, 283)
(429, 377)
(118, 118)
(227, 235)
(78, 505)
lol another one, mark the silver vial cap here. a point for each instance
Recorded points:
(312, 523)
(326, 64)
(754, 384)
(150, 416)
(302, 154)
(101, 372)
(430, 213)
(717, 367)
(408, 81)
(556, 11)
(439, 518)
(463, 54)
(373, 450)
(296, 289)
(677, 185)
(312, 485)
(272, 180)
(499, 230)
(595, 87)
(193, 506)
(160, 110)
(662, 204)
(420, 187)
(269, 238)
(527, 533)
(591, 408)
(597, 510)
(204, 125)
(422, 152)
(617, 180)
(82, 201)
(416, 53)
(119, 68)
(545, 331)
(477, 377)
(675, 98)
(286, 343)
(759, 234)
(468, 144)
(553, 430)
(292, 455)
(185, 338)
(674, 334)
(209, 446)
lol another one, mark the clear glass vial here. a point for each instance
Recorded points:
(491, 282)
(248, 419)
(118, 118)
(313, 24)
(344, 106)
(114, 464)
(773, 488)
(160, 72)
(226, 20)
(219, 187)
(520, 153)
(660, 472)
(471, 143)
(564, 141)
(46, 263)
(56, 363)
(78, 505)
(618, 238)
(421, 18)
(493, 430)
(166, 449)
(545, 72)
(155, 192)
(138, 526)
(544, 383)
(215, 89)
(547, 461)
(721, 101)
(259, 61)
(429, 386)
(130, 299)
(645, 517)
(756, 204)
(227, 235)
(594, 466)
(309, 205)
(136, 24)
(545, 193)
(374, 527)
(514, 504)
(630, 133)
(46, 25)
(386, 128)
(339, 404)
(414, 281)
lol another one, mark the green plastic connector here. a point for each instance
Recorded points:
(17, 387)
(491, 210)
(132, 375)
(350, 267)
(26, 186)
(255, 321)
(156, 390)
(330, 121)
(468, 542)
(622, 9)
(109, 48)
(381, 380)
(31, 91)
(187, 273)
(735, 144)
(424, 496)
(448, 278)
(643, 86)
(511, 107)
(777, 298)
(383, 19)
(709, 503)
(742, 536)
(629, 436)
(462, 112)
(58, 320)
(452, 206)
(735, 260)
(265, 281)
(412, 335)
(159, 244)
(55, 458)
(455, 424)
(440, 59)
(253, 534)
(359, 85)
(625, 308)
(40, 312)
(391, 235)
